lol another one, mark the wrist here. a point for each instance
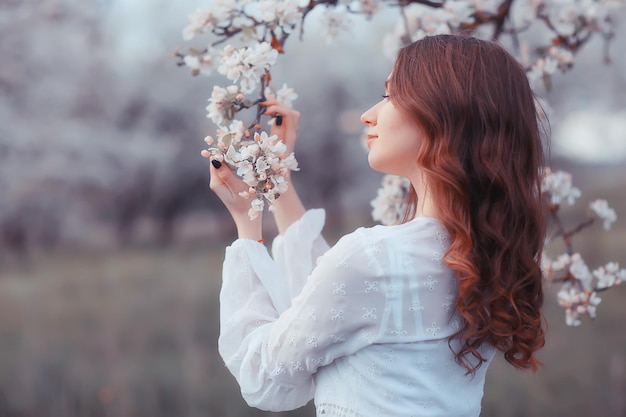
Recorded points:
(249, 229)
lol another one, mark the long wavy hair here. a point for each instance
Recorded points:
(482, 158)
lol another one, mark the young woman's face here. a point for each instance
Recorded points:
(393, 139)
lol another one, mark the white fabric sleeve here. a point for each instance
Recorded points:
(274, 356)
(297, 251)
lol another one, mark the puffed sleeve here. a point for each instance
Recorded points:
(274, 355)
(297, 251)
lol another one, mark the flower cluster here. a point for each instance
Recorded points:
(558, 185)
(247, 65)
(554, 59)
(334, 21)
(578, 294)
(602, 210)
(390, 203)
(261, 161)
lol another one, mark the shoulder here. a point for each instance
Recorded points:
(374, 248)
(421, 232)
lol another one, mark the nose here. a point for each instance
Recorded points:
(369, 117)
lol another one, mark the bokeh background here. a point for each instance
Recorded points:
(111, 243)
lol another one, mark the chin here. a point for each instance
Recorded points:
(376, 165)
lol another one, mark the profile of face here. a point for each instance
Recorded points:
(393, 139)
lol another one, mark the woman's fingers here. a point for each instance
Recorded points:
(285, 124)
(281, 110)
(274, 108)
(226, 185)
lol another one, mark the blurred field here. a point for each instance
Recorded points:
(133, 333)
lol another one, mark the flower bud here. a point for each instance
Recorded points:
(205, 153)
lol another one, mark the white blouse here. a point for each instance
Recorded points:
(362, 327)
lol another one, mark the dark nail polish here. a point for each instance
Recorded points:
(279, 120)
(217, 164)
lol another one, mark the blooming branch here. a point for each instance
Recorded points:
(579, 286)
(261, 28)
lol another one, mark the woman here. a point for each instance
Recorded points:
(401, 320)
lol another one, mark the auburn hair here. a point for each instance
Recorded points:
(482, 156)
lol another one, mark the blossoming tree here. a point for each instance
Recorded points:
(247, 36)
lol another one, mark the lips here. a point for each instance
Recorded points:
(370, 139)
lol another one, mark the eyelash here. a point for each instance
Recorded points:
(385, 96)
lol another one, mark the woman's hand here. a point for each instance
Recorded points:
(285, 124)
(227, 186)
(288, 208)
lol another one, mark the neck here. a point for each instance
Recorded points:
(426, 206)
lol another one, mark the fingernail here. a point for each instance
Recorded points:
(217, 164)
(279, 120)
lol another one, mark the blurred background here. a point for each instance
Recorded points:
(111, 243)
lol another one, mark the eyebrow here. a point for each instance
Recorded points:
(386, 85)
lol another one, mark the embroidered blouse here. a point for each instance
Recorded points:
(361, 327)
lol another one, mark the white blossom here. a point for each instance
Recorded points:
(564, 57)
(579, 269)
(572, 317)
(223, 103)
(546, 264)
(334, 21)
(487, 6)
(602, 210)
(543, 67)
(563, 15)
(422, 21)
(592, 302)
(198, 21)
(291, 163)
(285, 14)
(192, 61)
(257, 206)
(561, 262)
(577, 301)
(369, 7)
(608, 275)
(285, 95)
(281, 184)
(206, 20)
(390, 202)
(558, 185)
(247, 65)
(200, 62)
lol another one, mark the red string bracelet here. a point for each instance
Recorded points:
(261, 240)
